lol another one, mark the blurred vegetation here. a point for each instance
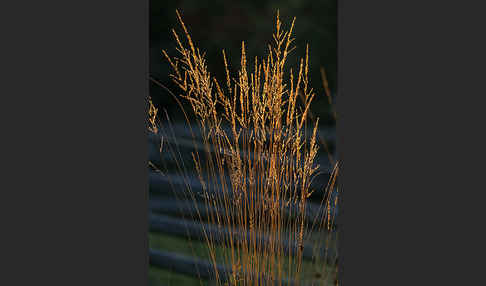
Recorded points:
(159, 277)
(200, 250)
(219, 24)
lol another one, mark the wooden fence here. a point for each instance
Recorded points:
(171, 213)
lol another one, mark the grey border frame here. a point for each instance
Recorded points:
(79, 72)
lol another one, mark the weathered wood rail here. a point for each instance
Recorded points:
(197, 267)
(180, 143)
(185, 264)
(198, 210)
(197, 230)
(188, 186)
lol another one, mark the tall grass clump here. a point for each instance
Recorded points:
(258, 159)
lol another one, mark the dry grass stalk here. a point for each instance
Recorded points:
(269, 161)
(152, 117)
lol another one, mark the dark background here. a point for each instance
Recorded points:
(221, 24)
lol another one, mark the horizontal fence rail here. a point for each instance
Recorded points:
(182, 130)
(193, 209)
(187, 265)
(186, 186)
(180, 147)
(199, 268)
(196, 230)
